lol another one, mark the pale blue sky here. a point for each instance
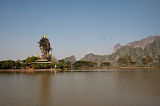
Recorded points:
(74, 27)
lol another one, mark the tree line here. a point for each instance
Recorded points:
(146, 61)
(29, 63)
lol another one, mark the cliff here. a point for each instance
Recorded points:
(71, 59)
(149, 46)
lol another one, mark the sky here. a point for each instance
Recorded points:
(74, 27)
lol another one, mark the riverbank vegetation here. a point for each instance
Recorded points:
(122, 62)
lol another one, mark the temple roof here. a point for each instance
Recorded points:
(42, 61)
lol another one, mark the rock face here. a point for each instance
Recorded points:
(116, 47)
(144, 42)
(71, 59)
(44, 45)
(149, 46)
(95, 58)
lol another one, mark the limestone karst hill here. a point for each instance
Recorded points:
(149, 46)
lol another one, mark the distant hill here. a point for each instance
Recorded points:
(71, 59)
(149, 46)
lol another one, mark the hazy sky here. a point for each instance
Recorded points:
(74, 27)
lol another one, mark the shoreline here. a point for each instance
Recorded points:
(71, 70)
(28, 70)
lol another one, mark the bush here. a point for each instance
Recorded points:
(29, 60)
(126, 60)
(147, 60)
(0, 64)
(7, 64)
(23, 65)
(105, 64)
(42, 66)
(84, 64)
(18, 64)
(62, 64)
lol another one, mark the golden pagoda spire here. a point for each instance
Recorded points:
(31, 55)
(37, 54)
(44, 36)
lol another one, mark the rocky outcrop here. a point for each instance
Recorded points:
(144, 42)
(116, 47)
(149, 46)
(71, 59)
(96, 58)
(45, 47)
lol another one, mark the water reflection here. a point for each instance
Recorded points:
(45, 89)
(113, 87)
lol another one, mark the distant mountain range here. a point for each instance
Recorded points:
(149, 46)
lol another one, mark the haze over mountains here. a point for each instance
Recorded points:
(149, 46)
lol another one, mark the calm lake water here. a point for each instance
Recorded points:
(136, 87)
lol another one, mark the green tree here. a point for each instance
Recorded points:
(23, 65)
(147, 60)
(7, 64)
(158, 58)
(62, 64)
(18, 64)
(105, 64)
(84, 64)
(30, 60)
(123, 61)
(0, 64)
